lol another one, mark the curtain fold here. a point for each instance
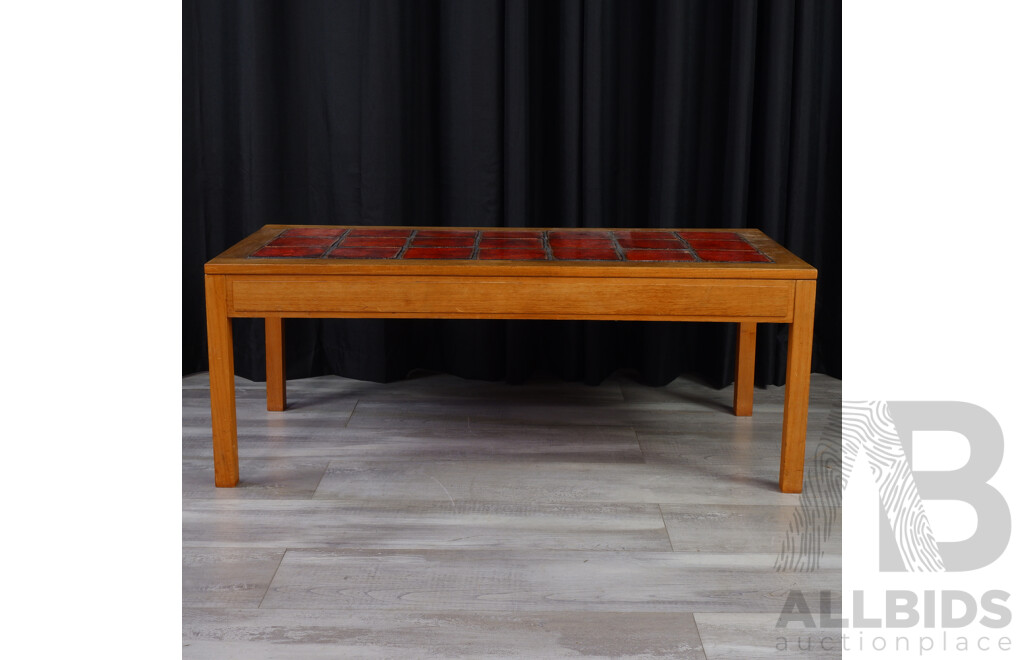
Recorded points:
(597, 113)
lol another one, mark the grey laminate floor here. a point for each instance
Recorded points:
(439, 517)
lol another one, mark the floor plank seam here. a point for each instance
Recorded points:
(700, 638)
(664, 525)
(272, 577)
(319, 481)
(351, 413)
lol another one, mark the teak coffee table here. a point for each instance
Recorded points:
(307, 271)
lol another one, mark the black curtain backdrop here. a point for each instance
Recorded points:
(523, 114)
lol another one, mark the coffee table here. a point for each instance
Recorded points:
(320, 271)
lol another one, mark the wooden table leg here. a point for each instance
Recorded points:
(743, 390)
(222, 383)
(798, 385)
(276, 392)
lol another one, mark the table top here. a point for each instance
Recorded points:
(333, 248)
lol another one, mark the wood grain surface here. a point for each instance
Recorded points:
(451, 518)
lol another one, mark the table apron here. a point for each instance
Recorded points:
(455, 296)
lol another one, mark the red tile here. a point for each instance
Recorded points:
(596, 254)
(445, 233)
(510, 234)
(364, 252)
(593, 243)
(661, 244)
(292, 252)
(711, 244)
(511, 243)
(525, 254)
(731, 255)
(663, 235)
(447, 241)
(438, 253)
(373, 241)
(658, 255)
(302, 241)
(722, 235)
(373, 231)
(332, 232)
(578, 235)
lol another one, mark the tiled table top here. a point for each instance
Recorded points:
(651, 245)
